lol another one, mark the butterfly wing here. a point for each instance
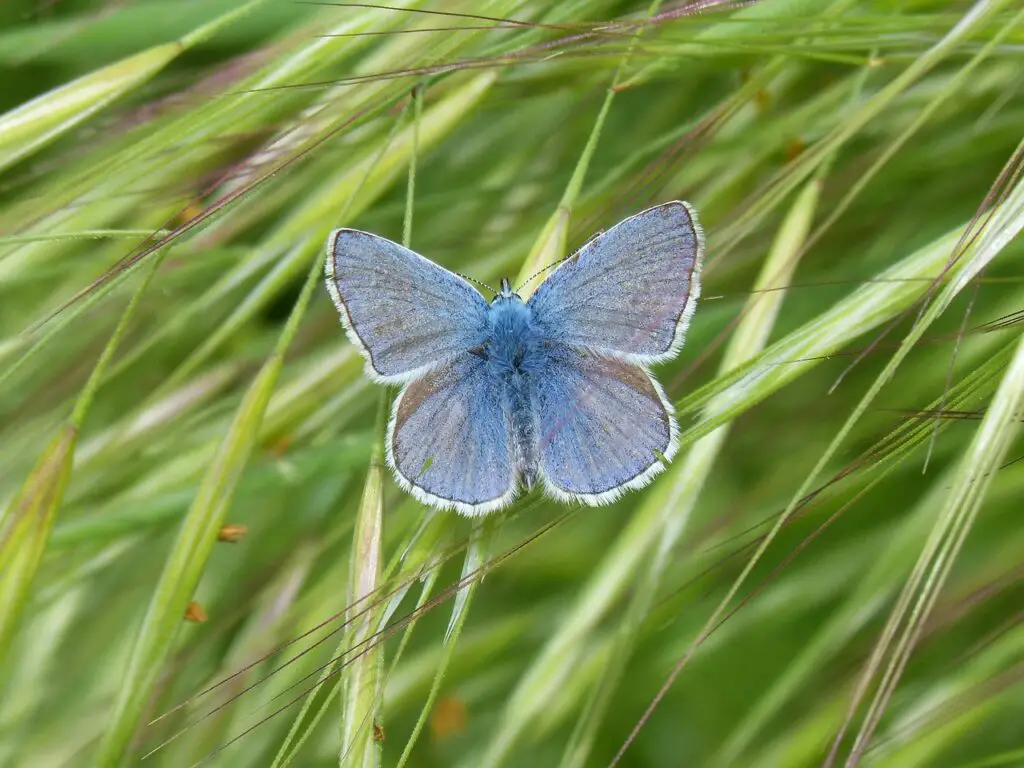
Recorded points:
(403, 312)
(448, 441)
(605, 427)
(630, 291)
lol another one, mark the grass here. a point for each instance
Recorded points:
(829, 573)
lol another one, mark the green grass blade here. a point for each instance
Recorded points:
(476, 559)
(33, 125)
(962, 503)
(187, 560)
(362, 678)
(877, 584)
(666, 513)
(1007, 221)
(28, 521)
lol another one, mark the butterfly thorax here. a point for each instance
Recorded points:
(514, 354)
(511, 344)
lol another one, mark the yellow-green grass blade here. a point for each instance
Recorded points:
(962, 503)
(880, 581)
(33, 125)
(362, 677)
(666, 514)
(28, 521)
(187, 559)
(1007, 220)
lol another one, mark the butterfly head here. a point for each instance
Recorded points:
(506, 292)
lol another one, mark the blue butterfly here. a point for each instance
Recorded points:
(503, 395)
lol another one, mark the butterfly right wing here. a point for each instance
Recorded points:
(403, 312)
(630, 291)
(605, 426)
(448, 439)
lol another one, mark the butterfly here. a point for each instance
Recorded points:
(508, 394)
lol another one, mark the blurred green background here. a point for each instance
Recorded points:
(199, 551)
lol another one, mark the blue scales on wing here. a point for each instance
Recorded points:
(404, 313)
(448, 441)
(556, 388)
(605, 427)
(630, 291)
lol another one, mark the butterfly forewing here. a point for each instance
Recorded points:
(403, 312)
(630, 291)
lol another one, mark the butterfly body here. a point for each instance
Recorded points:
(510, 393)
(517, 359)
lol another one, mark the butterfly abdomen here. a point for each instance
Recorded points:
(522, 426)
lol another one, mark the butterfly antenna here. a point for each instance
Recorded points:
(477, 282)
(541, 271)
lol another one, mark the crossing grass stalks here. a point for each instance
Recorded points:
(201, 557)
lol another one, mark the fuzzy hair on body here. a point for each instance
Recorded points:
(555, 391)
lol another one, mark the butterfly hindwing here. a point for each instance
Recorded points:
(404, 312)
(448, 441)
(630, 291)
(605, 427)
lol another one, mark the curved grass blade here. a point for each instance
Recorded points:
(32, 126)
(880, 581)
(28, 521)
(187, 559)
(963, 501)
(1006, 222)
(666, 514)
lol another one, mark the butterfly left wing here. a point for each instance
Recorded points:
(605, 427)
(448, 442)
(404, 313)
(630, 291)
